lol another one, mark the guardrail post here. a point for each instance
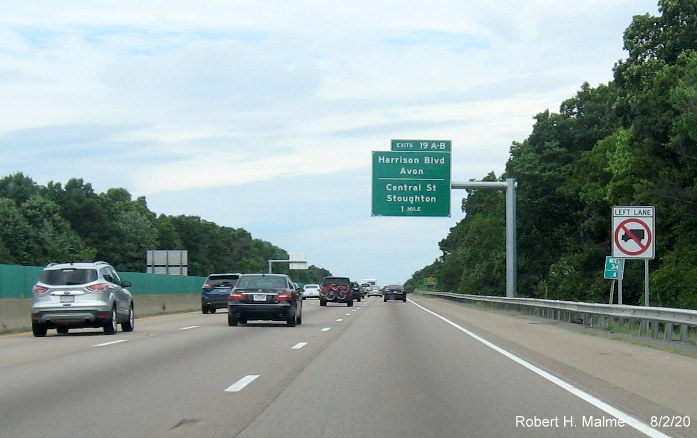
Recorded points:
(668, 331)
(604, 322)
(683, 332)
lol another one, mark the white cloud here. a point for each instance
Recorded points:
(192, 99)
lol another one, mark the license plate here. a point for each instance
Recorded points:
(259, 297)
(67, 299)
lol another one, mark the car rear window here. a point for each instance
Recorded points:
(68, 276)
(262, 282)
(336, 280)
(220, 280)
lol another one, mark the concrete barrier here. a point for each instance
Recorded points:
(15, 313)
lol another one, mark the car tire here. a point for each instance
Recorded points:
(232, 320)
(39, 330)
(292, 318)
(130, 322)
(62, 330)
(350, 303)
(110, 325)
(322, 302)
(299, 319)
(384, 299)
(205, 310)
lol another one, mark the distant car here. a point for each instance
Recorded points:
(356, 291)
(79, 295)
(374, 292)
(216, 291)
(394, 292)
(311, 291)
(270, 297)
(336, 289)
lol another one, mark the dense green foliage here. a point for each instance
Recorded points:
(57, 223)
(630, 142)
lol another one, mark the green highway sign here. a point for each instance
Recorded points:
(431, 281)
(614, 268)
(411, 183)
(421, 145)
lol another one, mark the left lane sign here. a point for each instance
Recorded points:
(633, 234)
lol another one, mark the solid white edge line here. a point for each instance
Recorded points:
(299, 345)
(620, 415)
(110, 343)
(240, 384)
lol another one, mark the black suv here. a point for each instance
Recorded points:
(336, 289)
(216, 291)
(394, 292)
(271, 297)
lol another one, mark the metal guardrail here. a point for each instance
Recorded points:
(660, 321)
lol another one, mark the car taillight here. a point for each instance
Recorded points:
(234, 295)
(284, 296)
(39, 290)
(98, 288)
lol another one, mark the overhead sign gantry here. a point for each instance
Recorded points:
(414, 179)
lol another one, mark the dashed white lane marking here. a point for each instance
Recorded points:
(189, 328)
(339, 320)
(326, 329)
(299, 345)
(240, 384)
(111, 343)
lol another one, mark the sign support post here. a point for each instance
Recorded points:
(511, 237)
(646, 282)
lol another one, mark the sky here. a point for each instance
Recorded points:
(263, 115)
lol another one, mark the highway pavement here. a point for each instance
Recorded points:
(425, 368)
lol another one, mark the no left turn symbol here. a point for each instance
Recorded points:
(633, 237)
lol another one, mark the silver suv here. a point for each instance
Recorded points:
(77, 295)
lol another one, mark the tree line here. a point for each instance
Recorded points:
(71, 222)
(632, 141)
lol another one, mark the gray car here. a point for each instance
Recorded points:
(78, 295)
